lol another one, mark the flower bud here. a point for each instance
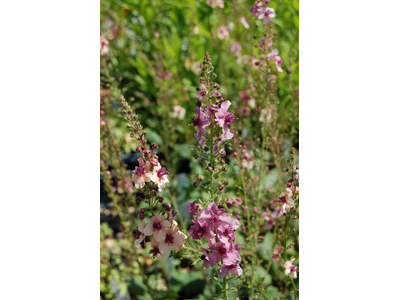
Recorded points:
(138, 200)
(289, 184)
(147, 151)
(161, 200)
(199, 179)
(245, 208)
(168, 207)
(155, 146)
(238, 217)
(221, 187)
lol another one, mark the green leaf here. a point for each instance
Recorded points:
(154, 137)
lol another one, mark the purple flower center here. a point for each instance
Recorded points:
(137, 234)
(169, 239)
(162, 172)
(293, 269)
(154, 251)
(139, 171)
(229, 118)
(214, 219)
(222, 251)
(157, 226)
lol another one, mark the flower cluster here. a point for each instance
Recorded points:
(213, 112)
(278, 60)
(150, 170)
(259, 11)
(219, 229)
(166, 235)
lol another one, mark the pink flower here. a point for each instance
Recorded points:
(157, 227)
(103, 45)
(236, 48)
(223, 33)
(245, 96)
(223, 117)
(266, 13)
(226, 231)
(173, 239)
(197, 231)
(201, 121)
(192, 208)
(278, 60)
(290, 268)
(233, 269)
(139, 234)
(224, 251)
(159, 177)
(270, 222)
(212, 215)
(155, 249)
(278, 250)
(206, 258)
(141, 174)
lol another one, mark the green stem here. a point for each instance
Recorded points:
(226, 286)
(294, 288)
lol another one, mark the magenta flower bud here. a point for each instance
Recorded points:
(296, 178)
(255, 209)
(209, 169)
(243, 228)
(238, 217)
(226, 182)
(237, 247)
(138, 200)
(296, 217)
(226, 170)
(138, 149)
(147, 151)
(103, 152)
(289, 184)
(192, 207)
(148, 196)
(229, 202)
(105, 143)
(234, 154)
(206, 149)
(161, 200)
(168, 207)
(198, 103)
(154, 162)
(245, 208)
(199, 179)
(221, 187)
(154, 192)
(102, 112)
(195, 184)
(155, 146)
(297, 167)
(290, 180)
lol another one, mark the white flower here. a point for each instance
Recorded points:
(159, 177)
(157, 227)
(244, 22)
(290, 268)
(178, 112)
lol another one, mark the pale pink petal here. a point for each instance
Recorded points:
(166, 223)
(148, 230)
(159, 235)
